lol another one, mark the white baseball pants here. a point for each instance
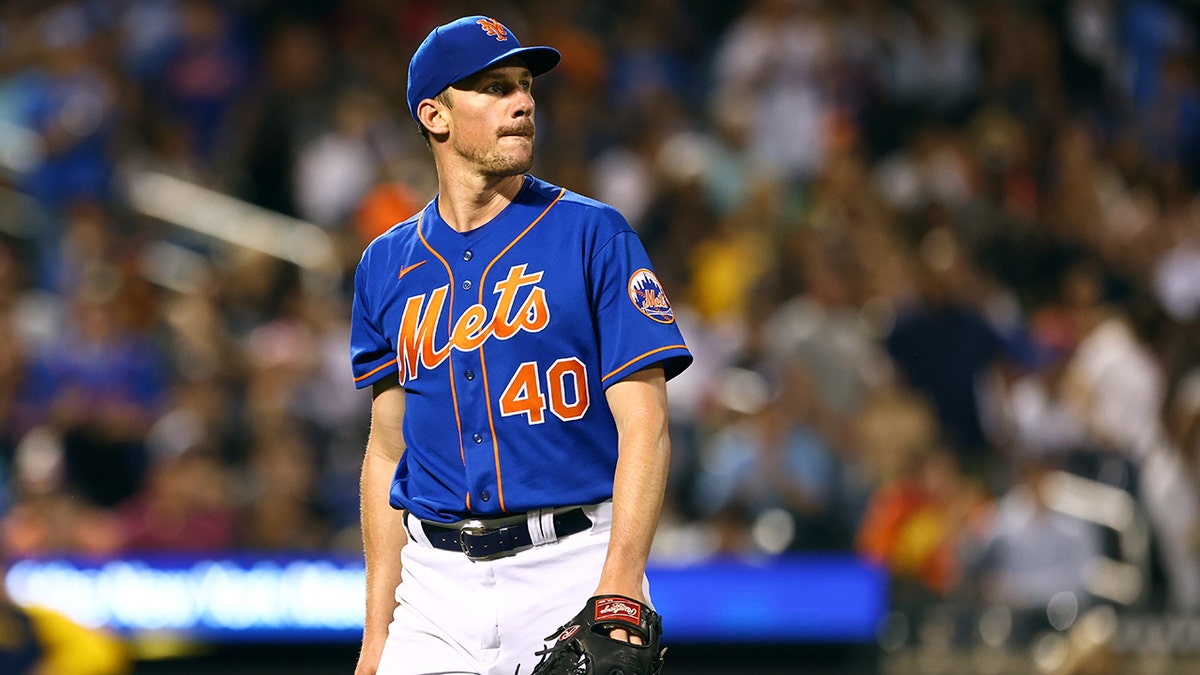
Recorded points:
(485, 617)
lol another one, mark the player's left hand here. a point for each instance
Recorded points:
(622, 635)
(613, 635)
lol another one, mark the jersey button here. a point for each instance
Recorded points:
(485, 495)
(478, 439)
(470, 374)
(467, 255)
(467, 285)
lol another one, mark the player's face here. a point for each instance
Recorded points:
(491, 119)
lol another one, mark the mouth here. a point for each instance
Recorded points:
(523, 132)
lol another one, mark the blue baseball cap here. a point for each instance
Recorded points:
(464, 47)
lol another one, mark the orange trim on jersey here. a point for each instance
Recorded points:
(483, 364)
(462, 451)
(515, 240)
(635, 360)
(360, 378)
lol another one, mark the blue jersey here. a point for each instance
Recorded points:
(505, 339)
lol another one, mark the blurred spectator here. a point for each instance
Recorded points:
(1171, 494)
(1151, 32)
(1090, 52)
(1176, 273)
(1086, 189)
(282, 511)
(100, 385)
(777, 58)
(823, 328)
(185, 504)
(776, 457)
(647, 59)
(336, 169)
(382, 207)
(38, 641)
(944, 347)
(1113, 381)
(204, 69)
(48, 516)
(199, 340)
(1043, 425)
(71, 103)
(293, 109)
(729, 269)
(1031, 553)
(12, 354)
(913, 524)
(1021, 68)
(927, 59)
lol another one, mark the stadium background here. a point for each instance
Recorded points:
(939, 263)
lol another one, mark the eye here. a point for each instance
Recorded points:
(494, 88)
(526, 85)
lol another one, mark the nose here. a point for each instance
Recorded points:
(524, 106)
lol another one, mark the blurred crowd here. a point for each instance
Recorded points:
(927, 253)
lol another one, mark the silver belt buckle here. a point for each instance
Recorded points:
(472, 528)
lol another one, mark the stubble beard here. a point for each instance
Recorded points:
(502, 165)
(496, 162)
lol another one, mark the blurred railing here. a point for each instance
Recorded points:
(191, 206)
(951, 639)
(1123, 580)
(235, 222)
(1108, 632)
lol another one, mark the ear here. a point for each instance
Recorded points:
(432, 116)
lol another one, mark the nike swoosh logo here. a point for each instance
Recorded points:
(408, 268)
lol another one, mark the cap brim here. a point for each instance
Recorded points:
(539, 60)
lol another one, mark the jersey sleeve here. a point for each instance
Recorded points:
(634, 320)
(371, 355)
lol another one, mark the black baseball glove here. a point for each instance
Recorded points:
(583, 647)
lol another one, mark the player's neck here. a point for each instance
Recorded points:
(470, 202)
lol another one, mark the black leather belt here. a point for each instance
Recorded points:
(482, 542)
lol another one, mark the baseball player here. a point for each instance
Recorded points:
(517, 343)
